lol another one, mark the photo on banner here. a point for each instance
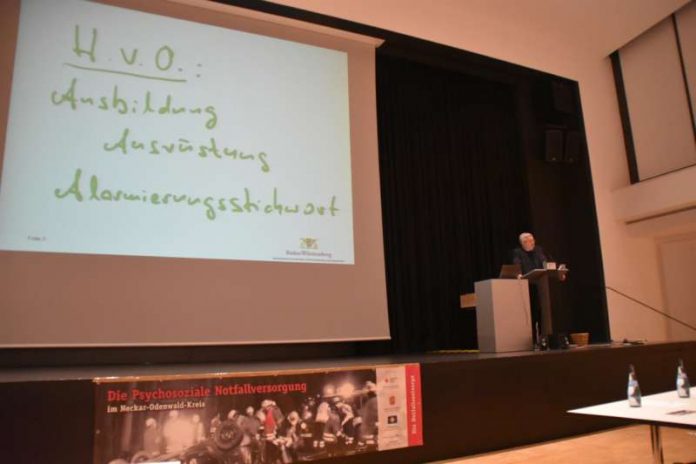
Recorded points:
(257, 418)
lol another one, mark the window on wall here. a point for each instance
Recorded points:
(656, 83)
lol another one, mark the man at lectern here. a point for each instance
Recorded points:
(528, 255)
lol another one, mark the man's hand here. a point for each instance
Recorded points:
(563, 272)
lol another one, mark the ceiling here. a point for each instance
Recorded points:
(545, 34)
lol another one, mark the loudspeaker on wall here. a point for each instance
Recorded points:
(553, 145)
(573, 146)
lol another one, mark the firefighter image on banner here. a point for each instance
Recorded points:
(259, 418)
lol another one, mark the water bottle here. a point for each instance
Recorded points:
(683, 385)
(634, 399)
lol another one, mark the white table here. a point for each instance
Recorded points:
(655, 410)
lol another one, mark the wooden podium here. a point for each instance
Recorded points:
(540, 278)
(503, 318)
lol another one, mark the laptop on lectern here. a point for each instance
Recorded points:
(510, 271)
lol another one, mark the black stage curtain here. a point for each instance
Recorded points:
(454, 196)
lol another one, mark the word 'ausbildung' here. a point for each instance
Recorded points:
(116, 101)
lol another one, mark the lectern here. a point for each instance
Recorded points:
(503, 319)
(540, 278)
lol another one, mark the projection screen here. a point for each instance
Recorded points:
(184, 172)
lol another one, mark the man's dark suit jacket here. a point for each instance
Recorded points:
(529, 261)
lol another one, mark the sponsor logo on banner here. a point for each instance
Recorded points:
(400, 407)
(259, 418)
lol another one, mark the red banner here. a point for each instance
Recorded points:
(259, 418)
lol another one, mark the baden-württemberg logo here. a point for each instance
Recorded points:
(308, 243)
(309, 249)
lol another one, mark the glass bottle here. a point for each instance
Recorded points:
(683, 385)
(634, 397)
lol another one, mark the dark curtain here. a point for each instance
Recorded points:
(454, 196)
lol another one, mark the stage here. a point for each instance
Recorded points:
(472, 402)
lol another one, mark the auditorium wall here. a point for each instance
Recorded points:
(573, 42)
